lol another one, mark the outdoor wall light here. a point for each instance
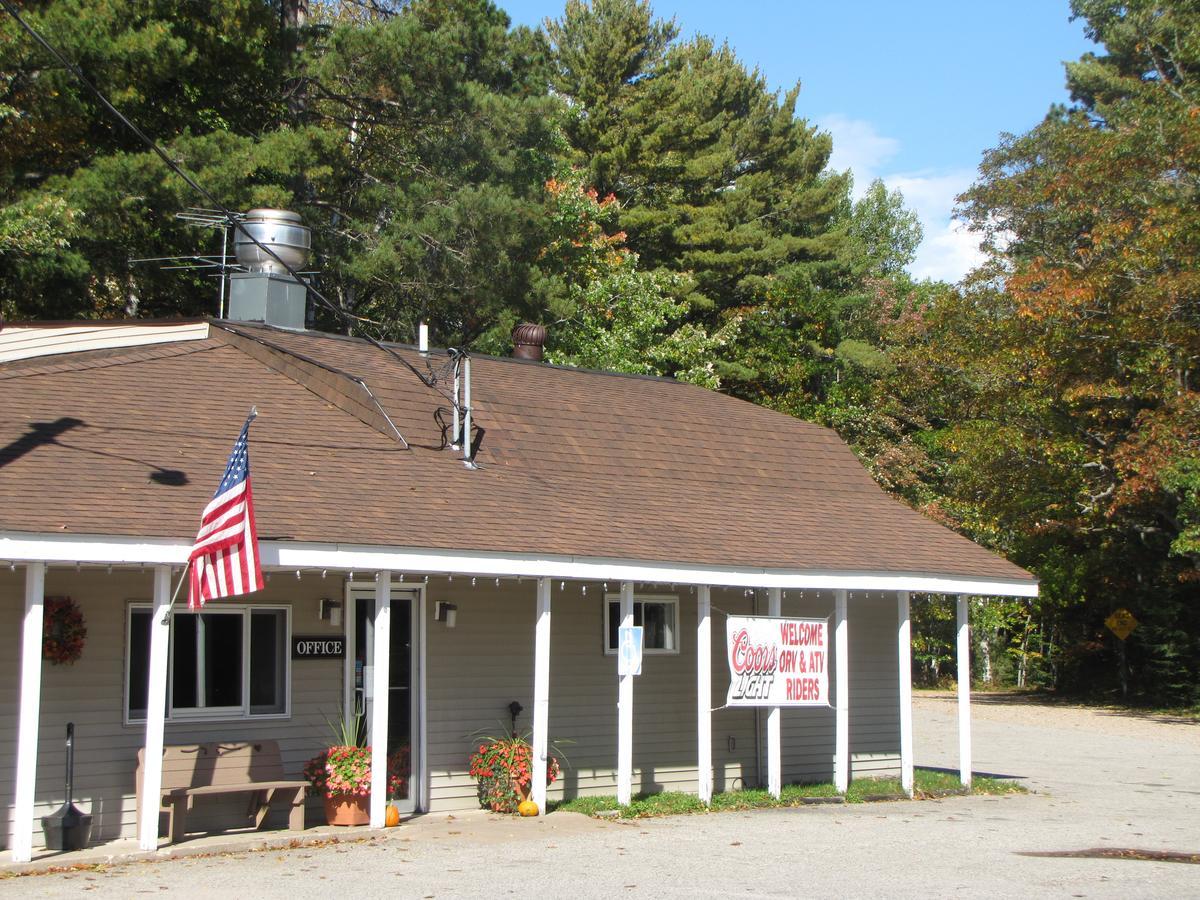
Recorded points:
(331, 611)
(445, 612)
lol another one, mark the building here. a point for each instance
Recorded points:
(595, 496)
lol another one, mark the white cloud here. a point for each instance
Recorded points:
(857, 146)
(947, 254)
(930, 194)
(949, 250)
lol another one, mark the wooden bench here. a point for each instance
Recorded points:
(197, 770)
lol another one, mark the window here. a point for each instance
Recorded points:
(656, 615)
(227, 663)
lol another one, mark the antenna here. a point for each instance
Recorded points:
(223, 264)
(202, 218)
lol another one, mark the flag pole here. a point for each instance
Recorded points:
(175, 596)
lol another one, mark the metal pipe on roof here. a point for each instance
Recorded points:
(456, 404)
(468, 449)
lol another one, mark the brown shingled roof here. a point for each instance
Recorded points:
(132, 442)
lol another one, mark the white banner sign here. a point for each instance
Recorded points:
(777, 662)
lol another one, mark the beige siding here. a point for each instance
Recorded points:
(90, 693)
(808, 734)
(477, 668)
(23, 342)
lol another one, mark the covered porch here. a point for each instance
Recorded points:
(510, 599)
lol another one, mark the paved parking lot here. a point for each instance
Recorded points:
(1100, 780)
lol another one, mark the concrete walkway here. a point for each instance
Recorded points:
(1101, 780)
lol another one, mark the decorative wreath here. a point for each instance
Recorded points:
(64, 631)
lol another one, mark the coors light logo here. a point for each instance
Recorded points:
(753, 667)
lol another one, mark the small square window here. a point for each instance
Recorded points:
(658, 617)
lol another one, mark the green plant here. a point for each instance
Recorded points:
(347, 732)
(504, 769)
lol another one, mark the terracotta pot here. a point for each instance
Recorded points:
(348, 809)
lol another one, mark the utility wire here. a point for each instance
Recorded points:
(231, 218)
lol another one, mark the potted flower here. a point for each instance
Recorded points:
(342, 775)
(503, 767)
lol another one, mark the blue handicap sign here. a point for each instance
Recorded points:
(629, 650)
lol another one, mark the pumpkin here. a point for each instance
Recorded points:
(391, 817)
(528, 808)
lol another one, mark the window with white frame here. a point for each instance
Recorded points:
(226, 663)
(658, 616)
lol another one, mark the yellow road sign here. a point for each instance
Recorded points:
(1121, 623)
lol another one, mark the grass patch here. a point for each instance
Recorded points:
(927, 783)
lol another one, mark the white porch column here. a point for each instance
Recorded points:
(625, 710)
(156, 709)
(379, 707)
(964, 694)
(774, 748)
(30, 712)
(704, 770)
(904, 654)
(541, 694)
(841, 677)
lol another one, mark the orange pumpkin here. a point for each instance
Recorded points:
(391, 817)
(528, 808)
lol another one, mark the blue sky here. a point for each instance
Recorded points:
(912, 92)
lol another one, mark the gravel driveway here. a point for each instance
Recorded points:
(1100, 780)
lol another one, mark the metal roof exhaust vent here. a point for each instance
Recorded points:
(529, 341)
(267, 293)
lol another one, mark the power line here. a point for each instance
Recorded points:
(232, 218)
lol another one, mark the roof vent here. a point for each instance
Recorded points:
(529, 341)
(267, 293)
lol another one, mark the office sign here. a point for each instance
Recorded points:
(319, 646)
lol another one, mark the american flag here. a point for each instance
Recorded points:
(224, 559)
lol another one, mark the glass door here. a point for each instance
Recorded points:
(402, 699)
